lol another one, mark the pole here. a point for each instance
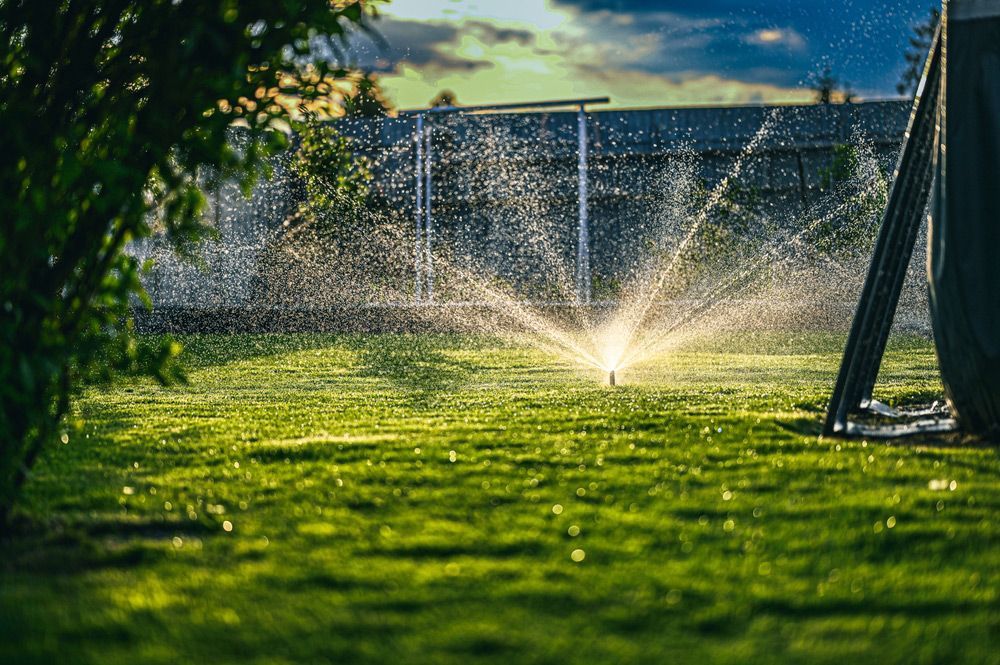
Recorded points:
(883, 284)
(583, 285)
(419, 212)
(429, 257)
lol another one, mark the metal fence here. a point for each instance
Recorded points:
(583, 183)
(471, 175)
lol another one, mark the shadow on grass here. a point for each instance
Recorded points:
(801, 426)
(869, 605)
(211, 350)
(55, 548)
(814, 428)
(412, 362)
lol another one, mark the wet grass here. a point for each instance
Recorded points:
(393, 499)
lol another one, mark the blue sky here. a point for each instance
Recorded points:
(638, 52)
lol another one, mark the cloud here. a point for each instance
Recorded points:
(554, 77)
(423, 44)
(530, 14)
(637, 51)
(776, 37)
(492, 34)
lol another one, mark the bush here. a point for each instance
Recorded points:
(110, 109)
(332, 176)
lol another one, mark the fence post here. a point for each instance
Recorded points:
(429, 225)
(419, 212)
(583, 282)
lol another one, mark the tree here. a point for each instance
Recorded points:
(366, 99)
(828, 88)
(332, 176)
(111, 109)
(849, 177)
(916, 53)
(445, 98)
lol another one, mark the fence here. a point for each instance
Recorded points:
(583, 185)
(597, 176)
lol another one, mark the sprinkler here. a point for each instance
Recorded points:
(611, 378)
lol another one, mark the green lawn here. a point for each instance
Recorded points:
(400, 499)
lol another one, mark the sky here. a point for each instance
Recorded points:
(639, 53)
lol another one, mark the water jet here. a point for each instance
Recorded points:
(518, 276)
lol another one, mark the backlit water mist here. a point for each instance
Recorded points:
(704, 255)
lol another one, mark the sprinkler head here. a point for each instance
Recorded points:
(611, 378)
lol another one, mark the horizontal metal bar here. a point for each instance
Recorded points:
(507, 107)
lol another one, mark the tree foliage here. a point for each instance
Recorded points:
(366, 98)
(865, 196)
(445, 98)
(916, 53)
(110, 109)
(829, 89)
(332, 176)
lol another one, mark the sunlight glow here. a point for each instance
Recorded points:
(534, 49)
